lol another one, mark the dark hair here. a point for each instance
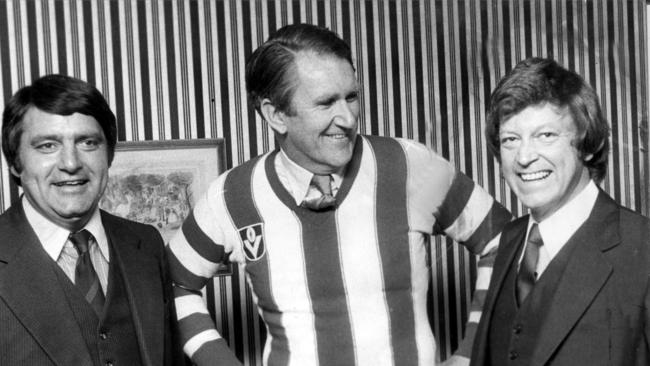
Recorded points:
(55, 94)
(536, 81)
(270, 68)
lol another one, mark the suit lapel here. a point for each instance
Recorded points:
(29, 286)
(586, 273)
(141, 276)
(511, 239)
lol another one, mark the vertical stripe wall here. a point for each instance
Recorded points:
(175, 70)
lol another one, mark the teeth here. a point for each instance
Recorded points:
(535, 176)
(72, 183)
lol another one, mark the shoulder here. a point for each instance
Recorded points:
(415, 153)
(130, 225)
(14, 230)
(12, 215)
(243, 171)
(633, 219)
(512, 228)
(623, 236)
(233, 177)
(148, 235)
(251, 163)
(386, 142)
(517, 223)
(634, 227)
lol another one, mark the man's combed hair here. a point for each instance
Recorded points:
(55, 94)
(270, 69)
(536, 81)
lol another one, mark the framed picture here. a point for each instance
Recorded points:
(159, 182)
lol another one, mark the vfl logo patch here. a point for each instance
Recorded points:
(252, 239)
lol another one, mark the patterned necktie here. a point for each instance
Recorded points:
(86, 278)
(325, 200)
(527, 271)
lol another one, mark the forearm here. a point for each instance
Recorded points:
(200, 339)
(484, 274)
(194, 259)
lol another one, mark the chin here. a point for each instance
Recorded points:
(536, 206)
(530, 201)
(78, 210)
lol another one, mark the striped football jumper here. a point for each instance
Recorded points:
(341, 287)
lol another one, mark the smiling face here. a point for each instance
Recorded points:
(319, 131)
(63, 166)
(538, 159)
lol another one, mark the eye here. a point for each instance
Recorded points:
(352, 97)
(547, 136)
(326, 103)
(90, 143)
(508, 141)
(46, 147)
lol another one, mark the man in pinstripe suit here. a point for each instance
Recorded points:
(332, 228)
(78, 286)
(571, 282)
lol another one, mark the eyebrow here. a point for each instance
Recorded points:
(328, 98)
(55, 137)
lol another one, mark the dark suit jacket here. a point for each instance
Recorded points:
(36, 324)
(601, 308)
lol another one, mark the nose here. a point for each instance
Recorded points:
(526, 153)
(346, 114)
(69, 159)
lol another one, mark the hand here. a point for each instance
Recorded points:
(456, 361)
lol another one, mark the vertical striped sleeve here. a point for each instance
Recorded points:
(194, 258)
(201, 341)
(470, 215)
(484, 275)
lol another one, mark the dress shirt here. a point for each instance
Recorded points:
(54, 240)
(297, 179)
(557, 229)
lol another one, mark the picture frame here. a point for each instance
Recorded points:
(159, 182)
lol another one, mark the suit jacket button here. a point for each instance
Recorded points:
(103, 336)
(513, 355)
(517, 328)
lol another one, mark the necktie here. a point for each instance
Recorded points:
(527, 275)
(86, 279)
(325, 200)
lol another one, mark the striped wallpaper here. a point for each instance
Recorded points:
(175, 70)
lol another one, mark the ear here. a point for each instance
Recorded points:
(14, 171)
(273, 116)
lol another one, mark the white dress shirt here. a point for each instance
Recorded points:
(557, 229)
(54, 240)
(297, 179)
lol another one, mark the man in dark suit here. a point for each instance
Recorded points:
(78, 286)
(570, 282)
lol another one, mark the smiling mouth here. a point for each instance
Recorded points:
(529, 177)
(338, 136)
(71, 183)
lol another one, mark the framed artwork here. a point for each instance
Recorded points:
(159, 182)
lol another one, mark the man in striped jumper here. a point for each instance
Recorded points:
(332, 228)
